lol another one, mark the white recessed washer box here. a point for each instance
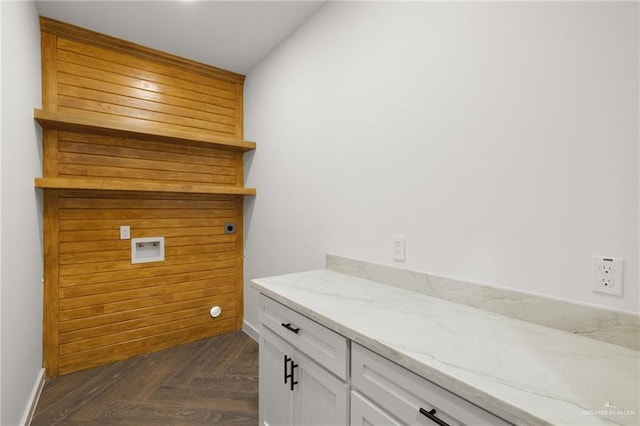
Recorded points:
(149, 249)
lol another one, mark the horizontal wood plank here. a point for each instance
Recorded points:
(117, 158)
(125, 253)
(152, 211)
(93, 203)
(107, 235)
(86, 171)
(113, 276)
(214, 277)
(116, 245)
(131, 148)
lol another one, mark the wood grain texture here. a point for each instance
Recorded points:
(136, 137)
(212, 381)
(239, 266)
(86, 36)
(104, 308)
(139, 129)
(109, 84)
(127, 185)
(50, 153)
(239, 111)
(51, 311)
(49, 64)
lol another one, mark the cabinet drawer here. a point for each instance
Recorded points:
(402, 393)
(326, 347)
(365, 413)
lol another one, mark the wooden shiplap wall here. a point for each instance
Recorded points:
(86, 72)
(85, 155)
(109, 308)
(99, 307)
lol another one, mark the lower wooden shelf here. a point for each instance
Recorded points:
(127, 185)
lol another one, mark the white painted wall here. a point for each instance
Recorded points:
(501, 139)
(21, 211)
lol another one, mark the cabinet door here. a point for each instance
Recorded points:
(365, 413)
(319, 399)
(276, 400)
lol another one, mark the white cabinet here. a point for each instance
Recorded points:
(306, 368)
(400, 394)
(295, 388)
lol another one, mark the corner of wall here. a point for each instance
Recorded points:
(34, 397)
(251, 331)
(1, 3)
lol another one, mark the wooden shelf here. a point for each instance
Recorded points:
(138, 129)
(147, 186)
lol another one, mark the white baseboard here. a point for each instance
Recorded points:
(251, 331)
(33, 398)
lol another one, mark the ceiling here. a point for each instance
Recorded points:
(233, 35)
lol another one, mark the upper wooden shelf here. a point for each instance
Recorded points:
(144, 186)
(138, 129)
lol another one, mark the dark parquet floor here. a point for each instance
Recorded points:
(209, 382)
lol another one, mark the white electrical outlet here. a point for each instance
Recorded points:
(398, 248)
(606, 275)
(125, 232)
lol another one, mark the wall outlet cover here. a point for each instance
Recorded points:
(399, 243)
(125, 232)
(607, 275)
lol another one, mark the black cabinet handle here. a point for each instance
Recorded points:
(432, 416)
(288, 327)
(290, 375)
(286, 361)
(293, 380)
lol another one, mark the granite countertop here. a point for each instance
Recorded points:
(525, 373)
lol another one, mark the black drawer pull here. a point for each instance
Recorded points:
(288, 327)
(432, 416)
